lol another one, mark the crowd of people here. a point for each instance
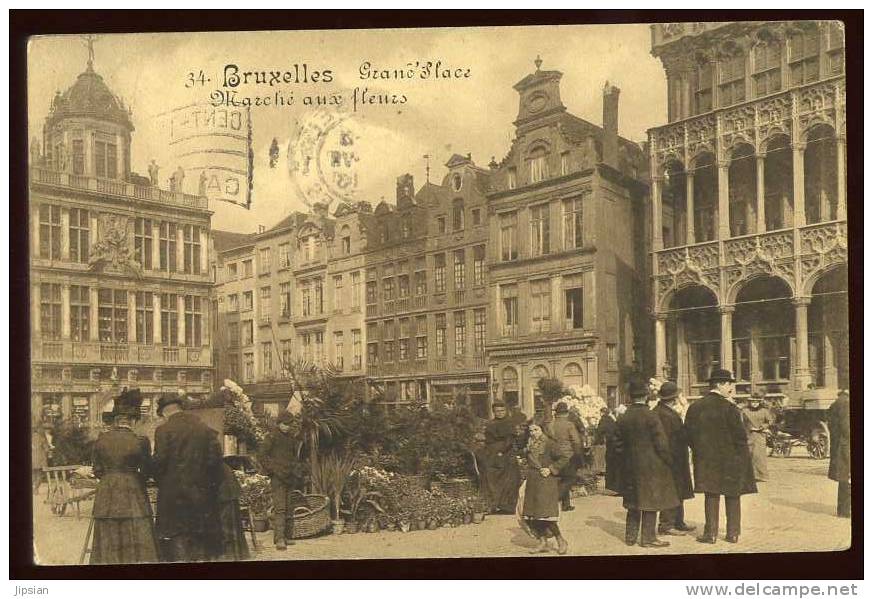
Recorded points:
(652, 446)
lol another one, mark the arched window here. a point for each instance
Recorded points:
(742, 184)
(820, 175)
(346, 240)
(778, 184)
(705, 198)
(572, 375)
(538, 372)
(509, 382)
(539, 166)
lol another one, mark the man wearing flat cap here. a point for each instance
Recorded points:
(673, 521)
(278, 457)
(722, 461)
(647, 485)
(188, 468)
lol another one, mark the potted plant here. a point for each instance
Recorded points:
(329, 478)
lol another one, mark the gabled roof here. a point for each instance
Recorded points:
(224, 241)
(536, 77)
(457, 160)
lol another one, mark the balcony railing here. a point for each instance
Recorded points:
(88, 352)
(419, 302)
(372, 309)
(116, 188)
(402, 305)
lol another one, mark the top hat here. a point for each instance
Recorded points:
(167, 399)
(669, 390)
(638, 388)
(720, 375)
(561, 408)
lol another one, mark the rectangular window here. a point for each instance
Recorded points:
(539, 230)
(836, 48)
(264, 261)
(50, 310)
(79, 235)
(284, 255)
(803, 56)
(356, 290)
(193, 321)
(387, 289)
(440, 328)
(441, 224)
(572, 223)
(306, 347)
(80, 313)
(233, 303)
(145, 319)
(371, 293)
(511, 178)
(539, 169)
(249, 365)
(248, 301)
(573, 307)
(403, 286)
(509, 310)
(247, 268)
(142, 242)
(421, 337)
(775, 358)
(703, 88)
(732, 80)
(338, 349)
(541, 305)
(78, 157)
(286, 353)
(405, 333)
(338, 299)
(356, 348)
(306, 298)
(105, 159)
(479, 331)
(319, 296)
(265, 301)
(460, 333)
(389, 350)
(421, 282)
(767, 65)
(477, 217)
(50, 232)
(191, 237)
(233, 333)
(460, 271)
(112, 315)
(457, 214)
(705, 356)
(565, 163)
(479, 265)
(372, 353)
(232, 271)
(742, 362)
(248, 332)
(509, 236)
(285, 300)
(319, 348)
(169, 320)
(167, 246)
(267, 358)
(439, 273)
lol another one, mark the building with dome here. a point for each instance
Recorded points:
(119, 280)
(749, 207)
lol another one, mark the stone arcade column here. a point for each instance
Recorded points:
(841, 177)
(724, 230)
(802, 376)
(727, 337)
(657, 215)
(761, 214)
(93, 308)
(660, 343)
(65, 311)
(156, 318)
(799, 199)
(689, 206)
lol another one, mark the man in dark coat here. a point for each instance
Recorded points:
(841, 460)
(607, 429)
(278, 457)
(564, 432)
(722, 461)
(647, 480)
(502, 477)
(188, 468)
(673, 521)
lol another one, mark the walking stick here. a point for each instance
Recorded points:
(86, 549)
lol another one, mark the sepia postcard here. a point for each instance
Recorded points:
(445, 292)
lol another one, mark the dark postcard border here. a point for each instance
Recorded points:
(824, 565)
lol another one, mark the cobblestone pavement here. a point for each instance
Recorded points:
(792, 512)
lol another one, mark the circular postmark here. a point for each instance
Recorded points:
(323, 157)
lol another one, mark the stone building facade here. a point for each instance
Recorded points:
(566, 250)
(119, 278)
(749, 206)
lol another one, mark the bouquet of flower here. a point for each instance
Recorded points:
(239, 420)
(255, 492)
(585, 405)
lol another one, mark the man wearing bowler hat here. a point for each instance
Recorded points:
(673, 521)
(647, 485)
(722, 462)
(188, 468)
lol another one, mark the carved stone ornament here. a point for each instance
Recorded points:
(688, 266)
(822, 247)
(113, 249)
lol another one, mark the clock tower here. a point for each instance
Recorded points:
(539, 97)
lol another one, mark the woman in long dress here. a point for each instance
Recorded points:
(232, 543)
(545, 460)
(757, 420)
(123, 525)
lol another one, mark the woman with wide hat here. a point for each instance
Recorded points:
(123, 525)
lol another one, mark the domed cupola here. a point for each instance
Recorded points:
(88, 129)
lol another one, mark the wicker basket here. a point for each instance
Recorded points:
(310, 514)
(457, 488)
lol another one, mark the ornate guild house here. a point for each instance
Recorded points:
(749, 206)
(118, 266)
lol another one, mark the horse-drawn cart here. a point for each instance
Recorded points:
(803, 422)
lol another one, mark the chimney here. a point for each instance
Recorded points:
(405, 189)
(610, 125)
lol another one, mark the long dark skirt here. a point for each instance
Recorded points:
(124, 541)
(233, 540)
